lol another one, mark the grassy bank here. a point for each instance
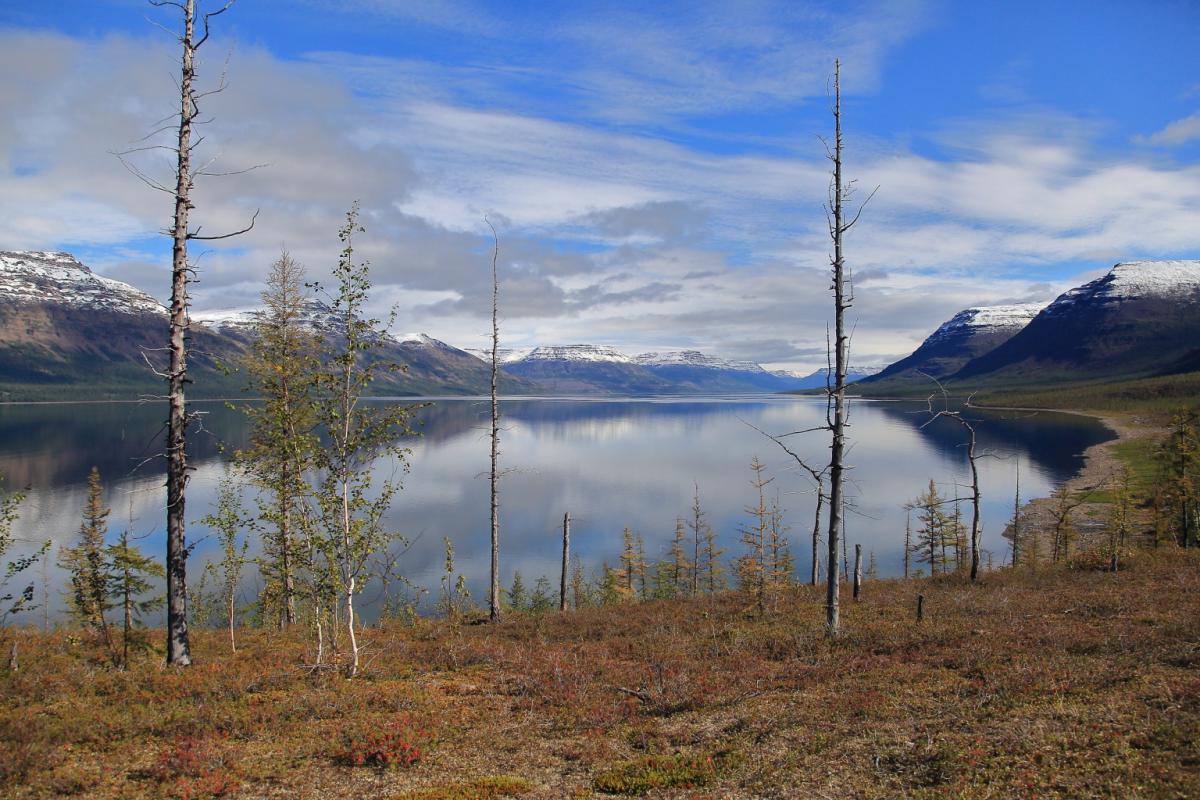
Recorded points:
(1159, 395)
(1064, 683)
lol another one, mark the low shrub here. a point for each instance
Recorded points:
(398, 743)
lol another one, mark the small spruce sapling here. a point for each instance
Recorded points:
(89, 569)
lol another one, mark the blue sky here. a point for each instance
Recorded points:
(654, 169)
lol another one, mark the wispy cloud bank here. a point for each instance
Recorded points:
(617, 225)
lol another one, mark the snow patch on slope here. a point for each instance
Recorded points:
(507, 354)
(33, 277)
(694, 358)
(578, 352)
(986, 319)
(1130, 280)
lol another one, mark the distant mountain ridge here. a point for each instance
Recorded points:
(1140, 319)
(586, 368)
(965, 336)
(67, 332)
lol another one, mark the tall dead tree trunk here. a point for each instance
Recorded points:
(836, 412)
(858, 572)
(494, 593)
(816, 535)
(1016, 523)
(566, 561)
(907, 540)
(974, 501)
(178, 649)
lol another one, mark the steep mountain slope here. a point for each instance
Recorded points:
(1142, 318)
(967, 335)
(66, 332)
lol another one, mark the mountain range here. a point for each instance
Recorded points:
(592, 369)
(1140, 319)
(68, 333)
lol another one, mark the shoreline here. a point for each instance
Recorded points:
(1100, 467)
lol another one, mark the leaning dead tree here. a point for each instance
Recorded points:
(494, 590)
(840, 192)
(972, 459)
(182, 273)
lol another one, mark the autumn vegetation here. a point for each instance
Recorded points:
(1070, 671)
(1068, 680)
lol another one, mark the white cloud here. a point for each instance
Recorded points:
(622, 238)
(1181, 131)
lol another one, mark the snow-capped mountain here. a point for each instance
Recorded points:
(984, 321)
(697, 372)
(586, 368)
(820, 378)
(507, 354)
(37, 277)
(316, 316)
(66, 331)
(430, 365)
(969, 333)
(595, 368)
(694, 358)
(1141, 318)
(1135, 280)
(578, 352)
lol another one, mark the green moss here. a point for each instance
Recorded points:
(487, 788)
(641, 775)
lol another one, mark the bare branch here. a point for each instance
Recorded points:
(817, 475)
(195, 236)
(230, 172)
(860, 210)
(137, 173)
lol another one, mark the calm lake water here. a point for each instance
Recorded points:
(610, 462)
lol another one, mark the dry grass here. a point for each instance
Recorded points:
(1064, 683)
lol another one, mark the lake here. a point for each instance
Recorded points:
(611, 462)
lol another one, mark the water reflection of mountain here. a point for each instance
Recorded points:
(54, 445)
(448, 418)
(1052, 441)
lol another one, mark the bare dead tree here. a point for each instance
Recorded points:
(858, 572)
(494, 592)
(566, 561)
(182, 272)
(969, 427)
(840, 192)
